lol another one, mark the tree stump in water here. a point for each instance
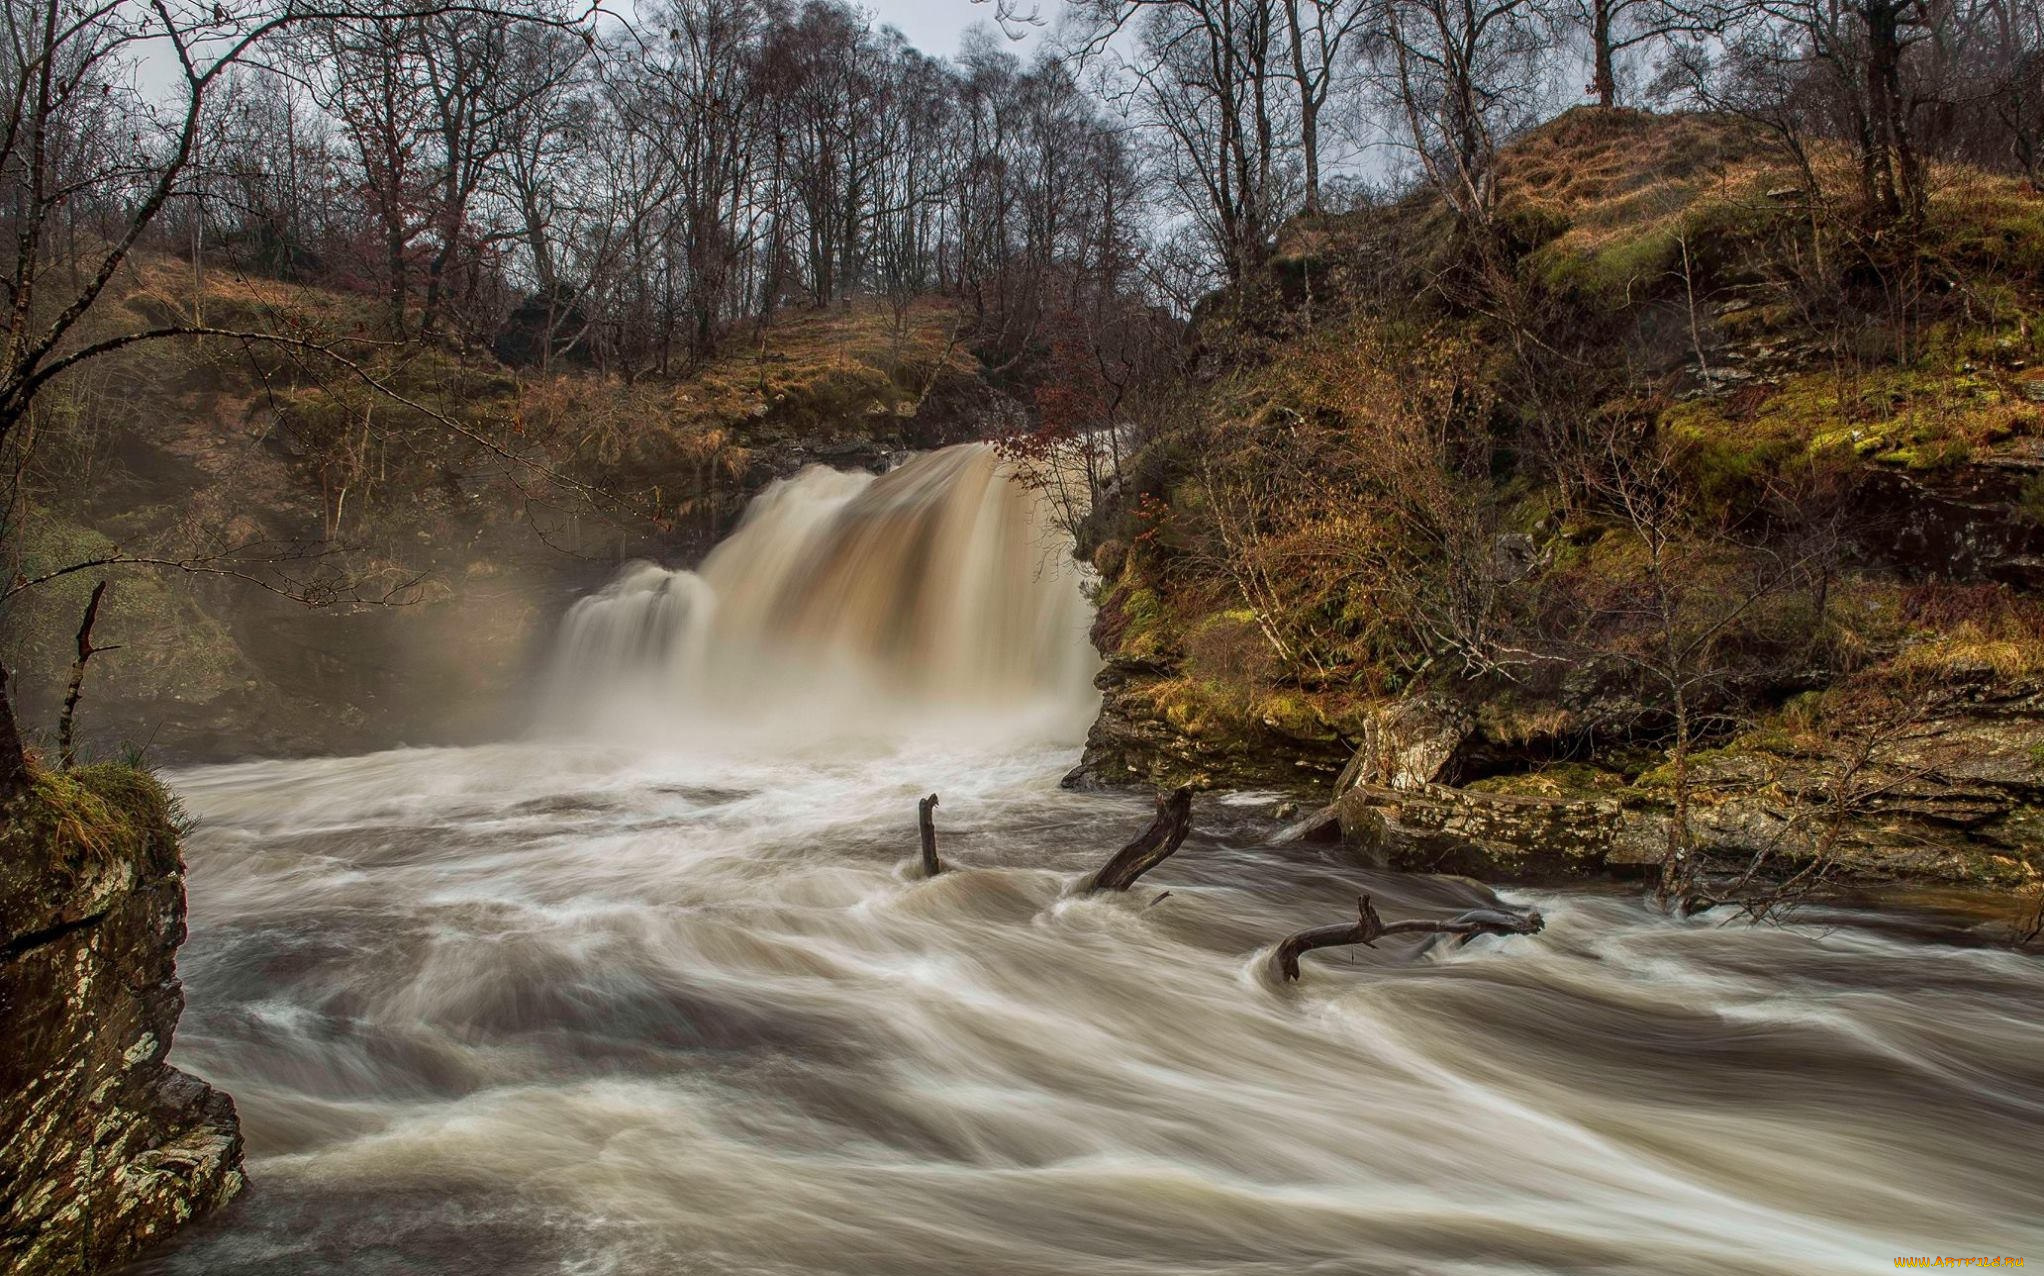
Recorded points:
(1152, 846)
(926, 822)
(1368, 928)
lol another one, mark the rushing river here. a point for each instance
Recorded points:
(680, 1004)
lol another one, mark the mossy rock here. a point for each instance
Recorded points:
(77, 840)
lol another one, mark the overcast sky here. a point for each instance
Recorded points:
(935, 26)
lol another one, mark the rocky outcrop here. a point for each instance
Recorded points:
(1434, 828)
(1964, 523)
(1957, 798)
(1134, 741)
(1408, 744)
(105, 1149)
(547, 325)
(1397, 744)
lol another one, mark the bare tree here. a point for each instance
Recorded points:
(1862, 71)
(704, 111)
(376, 86)
(75, 139)
(1205, 76)
(1321, 33)
(1462, 77)
(1619, 29)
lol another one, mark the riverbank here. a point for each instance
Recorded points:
(1652, 544)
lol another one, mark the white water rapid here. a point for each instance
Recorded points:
(647, 1001)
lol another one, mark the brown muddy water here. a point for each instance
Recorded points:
(640, 1002)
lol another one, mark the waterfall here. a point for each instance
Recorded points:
(845, 604)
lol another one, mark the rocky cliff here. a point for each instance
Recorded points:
(105, 1148)
(1947, 790)
(1642, 538)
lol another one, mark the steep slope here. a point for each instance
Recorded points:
(1698, 499)
(442, 527)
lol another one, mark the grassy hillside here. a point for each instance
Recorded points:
(1700, 468)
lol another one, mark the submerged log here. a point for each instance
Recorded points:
(1152, 847)
(927, 823)
(1368, 928)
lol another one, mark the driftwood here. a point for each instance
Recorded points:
(1152, 847)
(1368, 928)
(86, 651)
(927, 823)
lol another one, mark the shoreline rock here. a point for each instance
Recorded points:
(107, 1149)
(1960, 803)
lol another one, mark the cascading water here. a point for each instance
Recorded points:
(846, 603)
(667, 997)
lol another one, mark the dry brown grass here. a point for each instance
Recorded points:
(1624, 174)
(157, 289)
(1962, 629)
(828, 369)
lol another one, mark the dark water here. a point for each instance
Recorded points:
(547, 1010)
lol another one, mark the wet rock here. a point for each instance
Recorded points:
(1966, 523)
(1959, 802)
(1132, 743)
(106, 1148)
(1407, 745)
(1493, 836)
(1321, 826)
(1956, 799)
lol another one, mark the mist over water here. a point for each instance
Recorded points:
(670, 999)
(939, 592)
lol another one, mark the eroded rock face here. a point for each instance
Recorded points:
(1131, 743)
(1962, 524)
(1957, 800)
(104, 1148)
(1499, 837)
(1408, 745)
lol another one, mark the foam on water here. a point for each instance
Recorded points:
(669, 1012)
(657, 991)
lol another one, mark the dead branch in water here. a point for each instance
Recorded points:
(927, 823)
(1152, 847)
(66, 749)
(1368, 928)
